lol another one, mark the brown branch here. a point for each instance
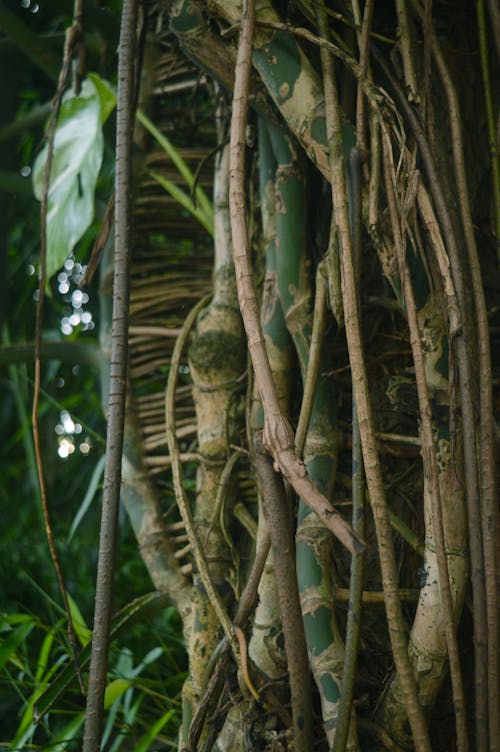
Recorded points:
(220, 656)
(406, 52)
(278, 435)
(489, 516)
(459, 348)
(313, 365)
(366, 426)
(117, 381)
(277, 516)
(428, 453)
(364, 43)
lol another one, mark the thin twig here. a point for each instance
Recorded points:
(353, 627)
(364, 43)
(73, 34)
(275, 505)
(313, 365)
(426, 86)
(406, 52)
(117, 379)
(218, 509)
(218, 660)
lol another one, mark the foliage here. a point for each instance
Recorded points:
(399, 251)
(28, 642)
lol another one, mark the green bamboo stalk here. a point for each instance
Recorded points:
(265, 646)
(313, 541)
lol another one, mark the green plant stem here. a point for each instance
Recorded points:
(278, 435)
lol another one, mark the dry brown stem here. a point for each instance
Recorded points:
(278, 434)
(428, 453)
(366, 426)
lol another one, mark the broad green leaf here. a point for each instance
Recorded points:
(153, 732)
(107, 96)
(78, 149)
(89, 496)
(114, 690)
(83, 633)
(125, 663)
(12, 642)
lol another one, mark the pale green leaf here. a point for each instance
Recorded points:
(83, 633)
(107, 96)
(114, 690)
(78, 150)
(151, 657)
(43, 657)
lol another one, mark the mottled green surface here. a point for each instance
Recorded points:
(279, 64)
